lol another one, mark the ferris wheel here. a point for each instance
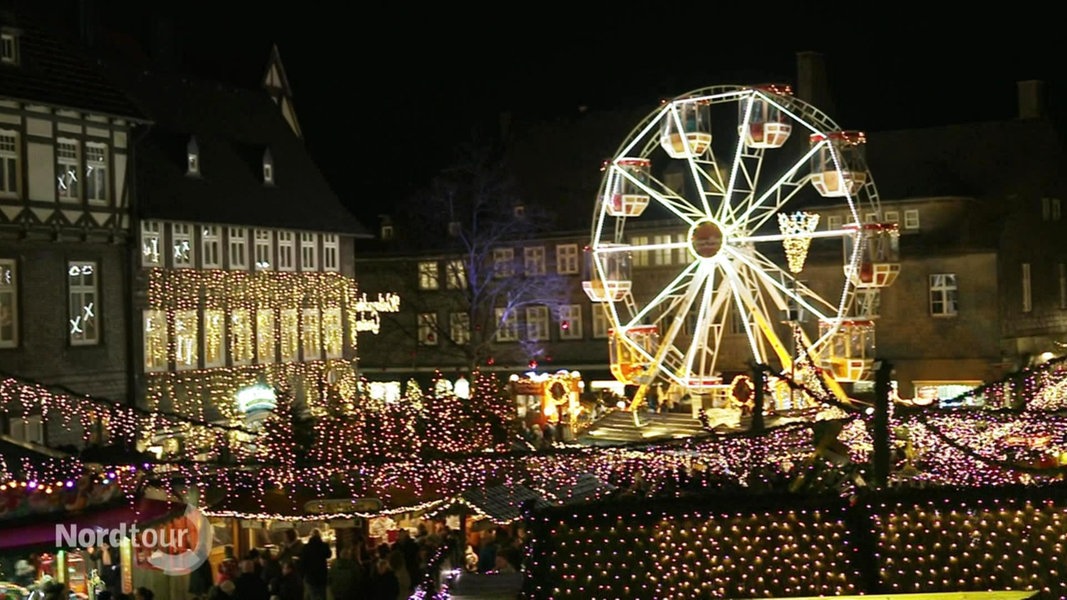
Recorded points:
(702, 227)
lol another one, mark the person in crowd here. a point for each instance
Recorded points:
(269, 567)
(201, 580)
(291, 546)
(249, 584)
(289, 586)
(314, 557)
(228, 568)
(346, 576)
(405, 584)
(143, 593)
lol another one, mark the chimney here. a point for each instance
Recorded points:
(1031, 99)
(813, 86)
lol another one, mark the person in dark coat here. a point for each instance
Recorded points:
(249, 585)
(313, 566)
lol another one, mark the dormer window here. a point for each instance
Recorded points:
(9, 48)
(192, 152)
(387, 232)
(519, 211)
(268, 168)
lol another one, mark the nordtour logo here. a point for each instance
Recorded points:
(175, 549)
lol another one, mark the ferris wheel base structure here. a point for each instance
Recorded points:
(701, 231)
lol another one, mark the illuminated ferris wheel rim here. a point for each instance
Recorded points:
(725, 220)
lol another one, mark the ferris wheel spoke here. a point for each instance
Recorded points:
(773, 278)
(771, 201)
(702, 356)
(672, 289)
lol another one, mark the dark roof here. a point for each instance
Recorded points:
(53, 72)
(503, 503)
(233, 127)
(586, 487)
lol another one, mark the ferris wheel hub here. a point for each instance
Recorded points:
(705, 239)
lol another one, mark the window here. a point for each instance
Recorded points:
(265, 347)
(1050, 209)
(286, 251)
(536, 323)
(9, 163)
(214, 338)
(503, 262)
(309, 252)
(210, 242)
(82, 286)
(264, 247)
(155, 340)
(454, 229)
(640, 257)
(289, 335)
(459, 328)
(870, 217)
(1062, 277)
(600, 321)
(311, 334)
(570, 322)
(662, 256)
(242, 345)
(9, 48)
(9, 310)
(151, 232)
(28, 429)
(892, 216)
(567, 259)
(181, 240)
(519, 211)
(186, 339)
(388, 232)
(534, 260)
(333, 332)
(96, 168)
(330, 252)
(1028, 301)
(67, 159)
(427, 329)
(507, 325)
(192, 158)
(268, 168)
(833, 223)
(238, 244)
(456, 274)
(684, 255)
(911, 218)
(428, 279)
(943, 295)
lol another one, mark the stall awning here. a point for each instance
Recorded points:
(41, 534)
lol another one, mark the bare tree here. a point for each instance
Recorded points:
(471, 217)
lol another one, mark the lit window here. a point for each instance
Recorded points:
(9, 48)
(9, 313)
(330, 252)
(286, 251)
(911, 219)
(1028, 301)
(536, 323)
(833, 223)
(1062, 276)
(456, 275)
(943, 291)
(192, 158)
(238, 245)
(534, 260)
(870, 217)
(427, 329)
(388, 232)
(662, 256)
(507, 325)
(333, 332)
(151, 232)
(640, 257)
(567, 259)
(892, 216)
(309, 252)
(186, 339)
(459, 328)
(600, 321)
(181, 240)
(268, 168)
(242, 344)
(28, 429)
(214, 338)
(428, 278)
(96, 173)
(82, 310)
(503, 262)
(311, 334)
(264, 248)
(289, 335)
(9, 163)
(155, 340)
(519, 211)
(67, 169)
(265, 338)
(570, 322)
(210, 242)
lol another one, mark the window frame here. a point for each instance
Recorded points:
(507, 330)
(948, 295)
(426, 325)
(211, 246)
(601, 326)
(9, 48)
(10, 163)
(911, 219)
(263, 248)
(538, 323)
(68, 190)
(503, 262)
(331, 252)
(456, 274)
(459, 328)
(9, 286)
(286, 243)
(150, 337)
(428, 273)
(181, 333)
(567, 262)
(182, 233)
(237, 237)
(151, 231)
(1027, 291)
(309, 251)
(310, 351)
(533, 261)
(91, 174)
(571, 314)
(79, 291)
(208, 315)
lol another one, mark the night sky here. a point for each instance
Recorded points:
(385, 93)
